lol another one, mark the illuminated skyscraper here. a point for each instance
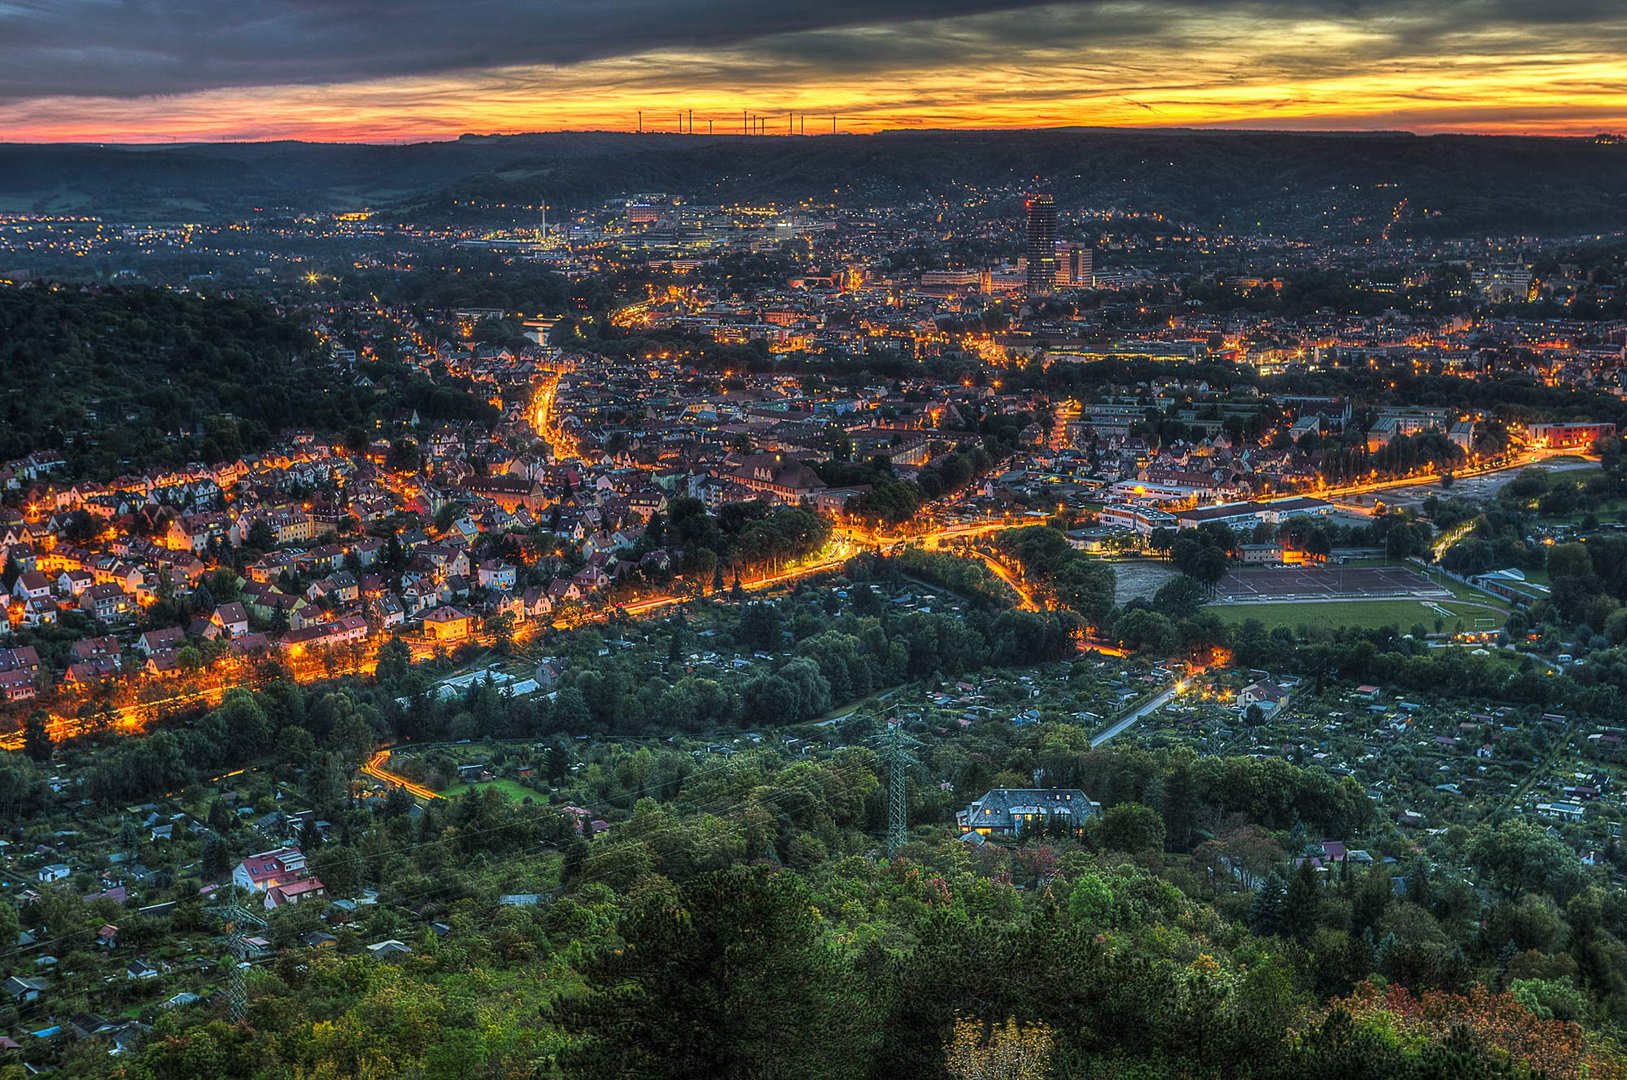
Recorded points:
(1075, 265)
(1041, 245)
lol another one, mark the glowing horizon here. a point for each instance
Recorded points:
(1471, 66)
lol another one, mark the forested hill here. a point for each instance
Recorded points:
(122, 379)
(1299, 182)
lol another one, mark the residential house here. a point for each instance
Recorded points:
(157, 641)
(17, 686)
(387, 609)
(74, 582)
(1014, 811)
(289, 893)
(447, 624)
(106, 603)
(1267, 695)
(496, 574)
(23, 990)
(232, 619)
(260, 872)
(25, 658)
(778, 475)
(96, 648)
(31, 585)
(536, 602)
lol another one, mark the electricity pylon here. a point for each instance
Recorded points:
(893, 745)
(236, 922)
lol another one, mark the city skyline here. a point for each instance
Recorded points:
(189, 71)
(1094, 578)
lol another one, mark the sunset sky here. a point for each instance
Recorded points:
(157, 70)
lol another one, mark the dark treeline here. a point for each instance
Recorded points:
(1081, 584)
(1472, 186)
(748, 536)
(136, 377)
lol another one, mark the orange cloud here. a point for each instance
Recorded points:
(1111, 64)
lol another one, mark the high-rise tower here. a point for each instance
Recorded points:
(1041, 245)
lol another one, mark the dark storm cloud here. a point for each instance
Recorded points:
(127, 48)
(132, 48)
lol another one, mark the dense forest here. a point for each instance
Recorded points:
(122, 379)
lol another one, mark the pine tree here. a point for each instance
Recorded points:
(1266, 913)
(398, 802)
(576, 856)
(1505, 957)
(37, 736)
(1420, 889)
(213, 857)
(1302, 903)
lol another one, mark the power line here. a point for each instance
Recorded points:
(581, 879)
(844, 769)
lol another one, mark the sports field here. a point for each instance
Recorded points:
(1366, 614)
(1267, 585)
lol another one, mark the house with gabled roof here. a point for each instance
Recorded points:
(260, 872)
(31, 585)
(447, 624)
(289, 893)
(156, 641)
(95, 670)
(23, 990)
(536, 602)
(1267, 695)
(107, 603)
(23, 658)
(1015, 811)
(779, 475)
(74, 581)
(232, 619)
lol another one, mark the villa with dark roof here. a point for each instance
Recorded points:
(1014, 811)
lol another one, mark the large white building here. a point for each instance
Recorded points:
(1245, 515)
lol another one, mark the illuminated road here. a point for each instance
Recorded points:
(1338, 495)
(1025, 595)
(848, 539)
(134, 717)
(933, 536)
(543, 421)
(375, 768)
